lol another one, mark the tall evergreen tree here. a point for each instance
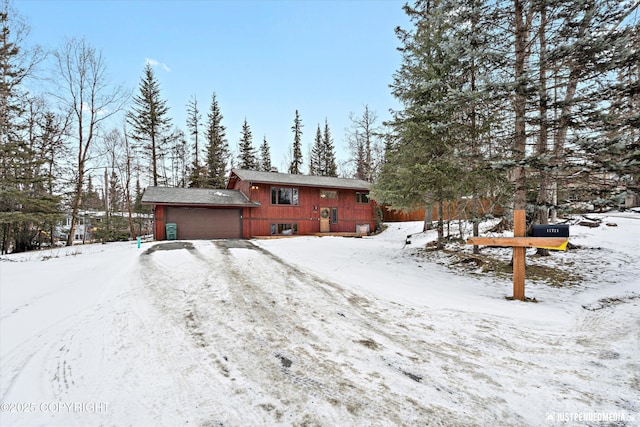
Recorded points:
(521, 29)
(316, 156)
(91, 198)
(322, 160)
(247, 158)
(470, 48)
(265, 156)
(296, 161)
(329, 159)
(115, 192)
(27, 206)
(555, 67)
(138, 207)
(423, 163)
(217, 146)
(598, 52)
(48, 132)
(197, 177)
(150, 122)
(53, 148)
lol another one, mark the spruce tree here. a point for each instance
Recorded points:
(329, 158)
(197, 177)
(265, 156)
(27, 204)
(53, 148)
(316, 156)
(423, 162)
(322, 159)
(150, 122)
(296, 161)
(561, 59)
(138, 207)
(247, 154)
(477, 99)
(217, 146)
(598, 52)
(470, 48)
(91, 198)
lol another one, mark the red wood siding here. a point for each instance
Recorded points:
(159, 223)
(258, 221)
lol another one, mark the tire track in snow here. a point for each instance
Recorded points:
(175, 346)
(286, 346)
(279, 365)
(477, 369)
(305, 331)
(41, 348)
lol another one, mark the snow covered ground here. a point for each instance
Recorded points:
(320, 331)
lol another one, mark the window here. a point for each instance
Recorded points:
(284, 229)
(362, 228)
(284, 196)
(334, 215)
(328, 194)
(362, 197)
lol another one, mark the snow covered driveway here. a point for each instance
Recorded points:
(305, 331)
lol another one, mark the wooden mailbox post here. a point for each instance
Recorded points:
(520, 242)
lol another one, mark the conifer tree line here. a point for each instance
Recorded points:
(61, 153)
(531, 103)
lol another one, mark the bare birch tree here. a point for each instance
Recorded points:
(84, 91)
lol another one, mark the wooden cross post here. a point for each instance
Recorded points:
(519, 254)
(519, 242)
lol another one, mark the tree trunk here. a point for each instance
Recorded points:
(543, 200)
(127, 190)
(428, 219)
(475, 153)
(520, 136)
(77, 201)
(572, 85)
(154, 160)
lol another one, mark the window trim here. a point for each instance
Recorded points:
(277, 228)
(328, 194)
(275, 191)
(360, 195)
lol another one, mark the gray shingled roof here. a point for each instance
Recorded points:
(195, 196)
(300, 180)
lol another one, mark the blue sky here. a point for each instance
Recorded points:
(264, 59)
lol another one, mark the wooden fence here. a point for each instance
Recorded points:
(461, 209)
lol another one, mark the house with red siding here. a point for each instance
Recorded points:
(258, 204)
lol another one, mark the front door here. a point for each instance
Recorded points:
(325, 220)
